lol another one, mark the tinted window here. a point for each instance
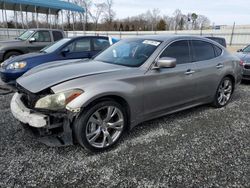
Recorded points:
(57, 35)
(100, 44)
(42, 36)
(247, 49)
(81, 45)
(217, 51)
(178, 50)
(202, 50)
(221, 41)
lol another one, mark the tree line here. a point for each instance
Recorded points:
(101, 16)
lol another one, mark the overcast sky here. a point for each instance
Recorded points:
(219, 12)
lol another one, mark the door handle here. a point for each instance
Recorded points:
(189, 72)
(219, 66)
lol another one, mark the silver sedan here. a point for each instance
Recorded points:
(93, 102)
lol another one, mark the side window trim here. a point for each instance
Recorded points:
(178, 40)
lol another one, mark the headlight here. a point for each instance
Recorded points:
(2, 65)
(58, 101)
(17, 65)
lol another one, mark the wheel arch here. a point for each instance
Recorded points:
(12, 50)
(123, 102)
(232, 78)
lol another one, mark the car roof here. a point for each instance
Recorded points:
(168, 37)
(45, 29)
(90, 36)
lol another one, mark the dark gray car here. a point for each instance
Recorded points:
(93, 102)
(31, 40)
(244, 55)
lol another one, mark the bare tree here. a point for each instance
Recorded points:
(97, 13)
(109, 14)
(203, 22)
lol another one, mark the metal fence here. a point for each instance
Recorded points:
(234, 37)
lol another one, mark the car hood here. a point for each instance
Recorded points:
(244, 56)
(46, 76)
(11, 43)
(24, 57)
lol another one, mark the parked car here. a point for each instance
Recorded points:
(220, 40)
(67, 48)
(244, 55)
(93, 102)
(31, 40)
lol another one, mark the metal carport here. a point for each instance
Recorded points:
(48, 7)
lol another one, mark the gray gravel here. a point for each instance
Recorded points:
(201, 147)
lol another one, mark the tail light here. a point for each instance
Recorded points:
(242, 63)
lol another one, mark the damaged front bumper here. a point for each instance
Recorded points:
(53, 129)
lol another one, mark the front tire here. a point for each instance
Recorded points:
(223, 93)
(100, 126)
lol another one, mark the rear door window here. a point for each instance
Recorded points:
(100, 44)
(42, 36)
(179, 50)
(202, 50)
(57, 35)
(81, 45)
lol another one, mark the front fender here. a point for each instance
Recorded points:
(132, 94)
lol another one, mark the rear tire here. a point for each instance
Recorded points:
(223, 93)
(100, 126)
(11, 54)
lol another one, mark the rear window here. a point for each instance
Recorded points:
(202, 50)
(217, 50)
(57, 35)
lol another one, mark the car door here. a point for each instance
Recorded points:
(209, 66)
(39, 40)
(78, 49)
(99, 44)
(170, 88)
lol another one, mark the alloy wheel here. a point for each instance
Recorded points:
(225, 92)
(104, 126)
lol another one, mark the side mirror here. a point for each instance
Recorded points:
(65, 51)
(165, 62)
(32, 40)
(240, 50)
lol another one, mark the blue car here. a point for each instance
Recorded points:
(65, 49)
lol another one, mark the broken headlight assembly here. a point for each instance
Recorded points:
(58, 101)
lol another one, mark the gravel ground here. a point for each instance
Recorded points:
(201, 147)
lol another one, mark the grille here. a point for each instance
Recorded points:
(29, 99)
(247, 66)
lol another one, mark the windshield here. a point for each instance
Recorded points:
(131, 53)
(53, 47)
(247, 49)
(26, 35)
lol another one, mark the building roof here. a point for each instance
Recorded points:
(41, 6)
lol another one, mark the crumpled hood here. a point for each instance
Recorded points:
(46, 76)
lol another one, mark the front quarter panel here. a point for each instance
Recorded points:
(127, 85)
